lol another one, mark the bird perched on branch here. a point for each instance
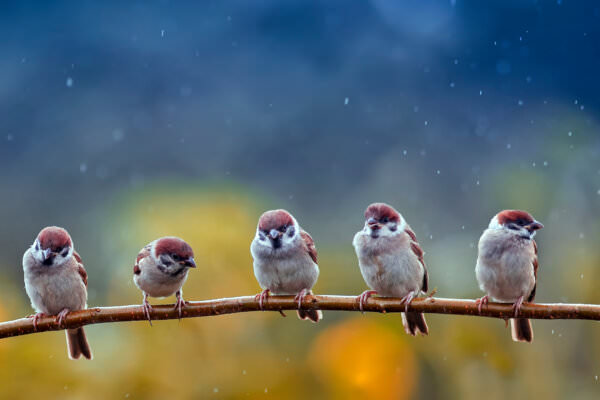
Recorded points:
(285, 260)
(507, 265)
(391, 262)
(161, 269)
(56, 283)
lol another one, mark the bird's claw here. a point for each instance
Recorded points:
(36, 318)
(180, 304)
(147, 309)
(483, 301)
(60, 317)
(407, 300)
(364, 296)
(262, 297)
(517, 306)
(300, 298)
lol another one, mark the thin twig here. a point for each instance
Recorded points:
(99, 315)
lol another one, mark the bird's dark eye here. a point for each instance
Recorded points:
(65, 252)
(291, 232)
(384, 220)
(175, 257)
(37, 246)
(282, 228)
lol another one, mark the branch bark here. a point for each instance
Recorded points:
(99, 315)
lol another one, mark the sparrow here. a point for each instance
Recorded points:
(391, 262)
(507, 265)
(285, 260)
(56, 283)
(161, 269)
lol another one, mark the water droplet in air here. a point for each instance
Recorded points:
(346, 100)
(69, 82)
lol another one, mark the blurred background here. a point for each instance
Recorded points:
(126, 121)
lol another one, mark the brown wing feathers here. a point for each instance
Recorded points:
(414, 245)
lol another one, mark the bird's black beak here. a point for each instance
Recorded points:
(534, 226)
(190, 263)
(372, 222)
(275, 237)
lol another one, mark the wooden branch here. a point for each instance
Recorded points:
(99, 315)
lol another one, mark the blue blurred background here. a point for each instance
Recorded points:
(125, 121)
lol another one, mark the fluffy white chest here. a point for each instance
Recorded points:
(157, 283)
(504, 267)
(285, 275)
(388, 265)
(54, 288)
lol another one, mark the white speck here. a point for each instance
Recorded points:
(528, 79)
(520, 102)
(477, 183)
(117, 135)
(430, 237)
(545, 163)
(598, 192)
(126, 395)
(560, 335)
(229, 18)
(9, 138)
(426, 123)
(216, 390)
(533, 164)
(596, 377)
(346, 100)
(485, 353)
(452, 84)
(162, 33)
(481, 92)
(65, 387)
(244, 372)
(581, 107)
(406, 152)
(83, 168)
(508, 146)
(438, 172)
(570, 133)
(287, 359)
(462, 227)
(581, 235)
(456, 61)
(581, 276)
(553, 331)
(576, 101)
(69, 82)
(495, 43)
(266, 390)
(416, 109)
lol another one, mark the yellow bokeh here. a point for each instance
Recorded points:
(358, 358)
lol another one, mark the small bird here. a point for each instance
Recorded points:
(507, 265)
(391, 262)
(285, 260)
(161, 269)
(56, 283)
